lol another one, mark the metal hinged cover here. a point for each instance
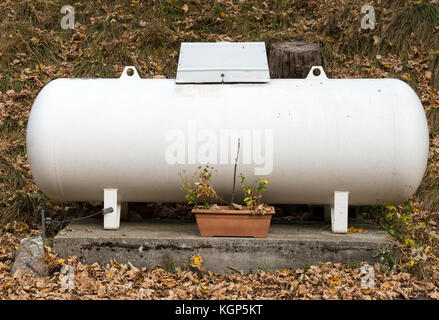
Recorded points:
(216, 62)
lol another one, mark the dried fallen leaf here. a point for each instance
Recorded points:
(376, 40)
(385, 286)
(205, 290)
(334, 280)
(302, 290)
(170, 284)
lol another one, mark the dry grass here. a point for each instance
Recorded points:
(412, 24)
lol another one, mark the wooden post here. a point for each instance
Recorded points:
(293, 59)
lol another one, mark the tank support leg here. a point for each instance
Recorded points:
(111, 220)
(339, 212)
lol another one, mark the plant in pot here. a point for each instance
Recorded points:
(217, 218)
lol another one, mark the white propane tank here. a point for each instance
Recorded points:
(315, 140)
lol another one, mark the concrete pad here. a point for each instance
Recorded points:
(171, 243)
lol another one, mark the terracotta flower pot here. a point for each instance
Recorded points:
(225, 222)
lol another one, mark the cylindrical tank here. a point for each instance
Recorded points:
(307, 137)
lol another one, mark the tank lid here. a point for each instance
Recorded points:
(218, 62)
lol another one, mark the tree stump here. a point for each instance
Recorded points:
(293, 59)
